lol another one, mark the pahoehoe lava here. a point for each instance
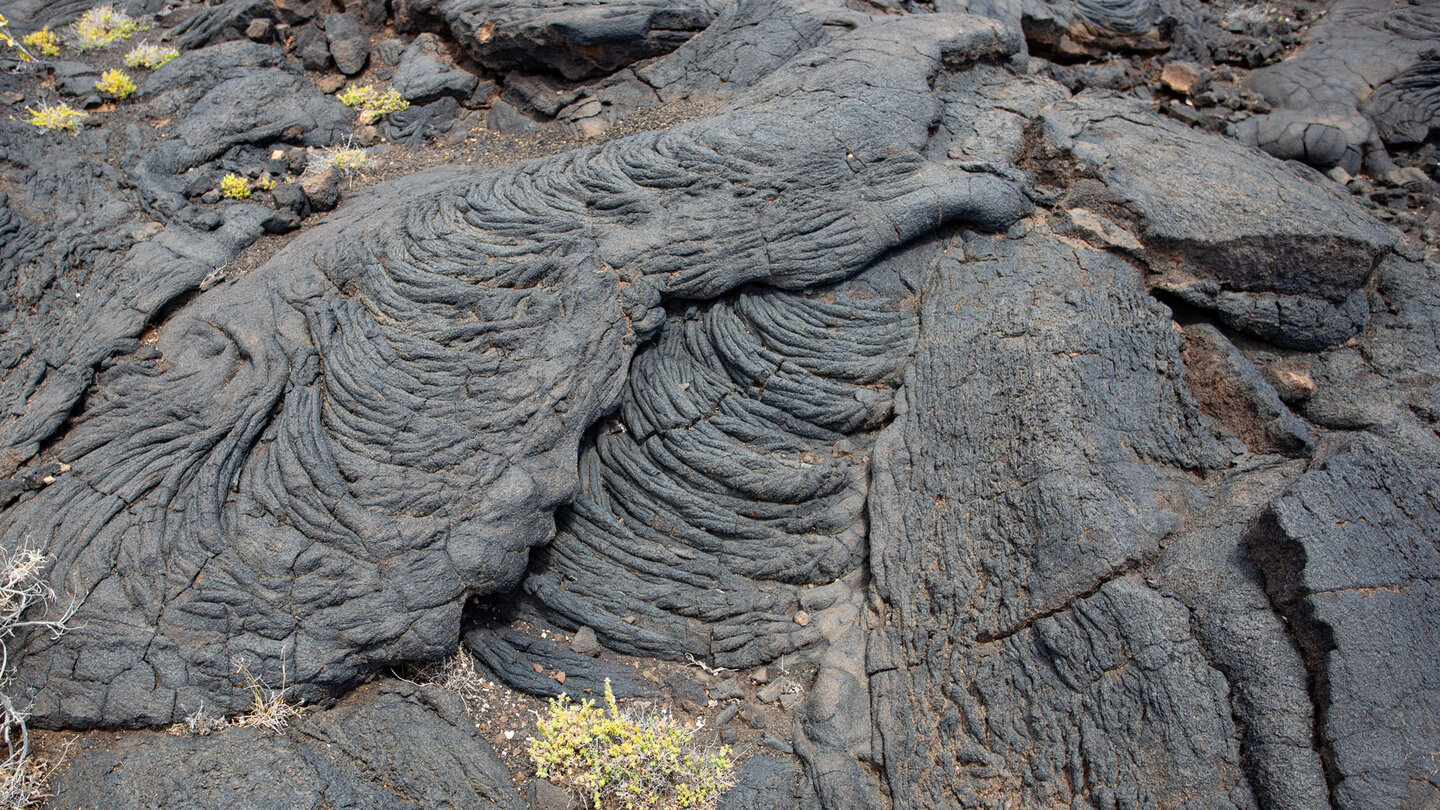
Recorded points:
(953, 404)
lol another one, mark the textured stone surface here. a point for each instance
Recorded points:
(388, 745)
(1274, 252)
(1006, 511)
(1351, 548)
(1360, 48)
(576, 40)
(1011, 446)
(422, 75)
(349, 42)
(370, 476)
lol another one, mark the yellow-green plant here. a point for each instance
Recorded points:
(345, 159)
(356, 95)
(613, 760)
(43, 41)
(149, 57)
(371, 101)
(9, 40)
(265, 183)
(103, 25)
(116, 84)
(55, 117)
(387, 102)
(234, 186)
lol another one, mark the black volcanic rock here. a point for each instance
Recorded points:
(373, 475)
(349, 42)
(388, 745)
(576, 40)
(938, 424)
(1351, 548)
(422, 76)
(1361, 49)
(1275, 252)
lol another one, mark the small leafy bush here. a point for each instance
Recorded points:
(103, 25)
(387, 102)
(116, 84)
(356, 95)
(345, 159)
(612, 760)
(150, 57)
(234, 186)
(43, 41)
(373, 102)
(55, 117)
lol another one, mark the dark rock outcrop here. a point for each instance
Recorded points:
(1360, 49)
(388, 745)
(576, 40)
(1349, 549)
(945, 436)
(391, 407)
(1273, 252)
(1007, 513)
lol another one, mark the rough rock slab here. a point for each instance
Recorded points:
(1040, 455)
(1206, 566)
(1406, 109)
(130, 259)
(1096, 28)
(1358, 49)
(424, 75)
(513, 656)
(1273, 251)
(349, 42)
(387, 413)
(736, 463)
(1351, 558)
(575, 39)
(390, 745)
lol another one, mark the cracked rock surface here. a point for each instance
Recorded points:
(827, 375)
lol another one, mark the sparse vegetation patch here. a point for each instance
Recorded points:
(269, 708)
(116, 84)
(55, 117)
(150, 57)
(613, 760)
(27, 603)
(103, 25)
(234, 186)
(373, 103)
(43, 41)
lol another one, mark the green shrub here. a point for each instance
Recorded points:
(43, 41)
(356, 95)
(103, 25)
(55, 117)
(372, 102)
(234, 186)
(612, 760)
(150, 57)
(116, 84)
